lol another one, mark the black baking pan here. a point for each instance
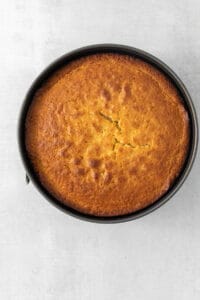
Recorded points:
(121, 49)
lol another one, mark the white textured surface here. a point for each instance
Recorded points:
(45, 254)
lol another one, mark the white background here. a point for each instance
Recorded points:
(45, 254)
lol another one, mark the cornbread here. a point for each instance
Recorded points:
(107, 134)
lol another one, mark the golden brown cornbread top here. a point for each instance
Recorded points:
(107, 134)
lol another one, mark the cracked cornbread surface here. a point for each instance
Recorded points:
(107, 134)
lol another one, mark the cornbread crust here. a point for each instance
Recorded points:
(107, 134)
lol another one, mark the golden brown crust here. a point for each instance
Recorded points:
(107, 134)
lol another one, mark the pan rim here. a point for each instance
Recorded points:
(120, 49)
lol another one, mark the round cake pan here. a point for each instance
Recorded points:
(120, 49)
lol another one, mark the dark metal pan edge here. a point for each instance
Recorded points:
(123, 50)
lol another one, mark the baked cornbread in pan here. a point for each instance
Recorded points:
(107, 134)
